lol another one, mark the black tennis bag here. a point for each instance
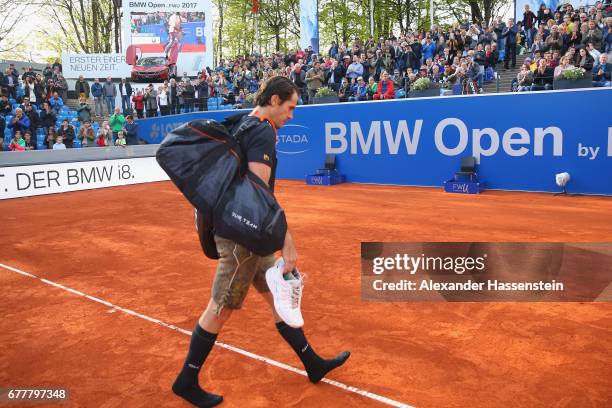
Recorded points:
(205, 161)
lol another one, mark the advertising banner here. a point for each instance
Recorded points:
(309, 24)
(94, 66)
(520, 140)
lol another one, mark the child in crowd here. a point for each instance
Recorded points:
(120, 139)
(59, 143)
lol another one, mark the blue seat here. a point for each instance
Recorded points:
(41, 146)
(77, 143)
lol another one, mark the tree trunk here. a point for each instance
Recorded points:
(94, 26)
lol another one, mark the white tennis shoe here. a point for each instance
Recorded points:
(286, 290)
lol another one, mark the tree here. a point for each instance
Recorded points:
(12, 14)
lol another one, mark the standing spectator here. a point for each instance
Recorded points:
(314, 80)
(33, 91)
(131, 130)
(173, 99)
(19, 122)
(162, 101)
(61, 87)
(86, 134)
(138, 100)
(48, 72)
(555, 40)
(32, 115)
(10, 83)
(529, 20)
(56, 102)
(188, 95)
(150, 101)
(116, 122)
(335, 75)
(509, 34)
(47, 118)
(81, 88)
(110, 93)
(83, 111)
(594, 35)
(57, 66)
(17, 143)
(429, 48)
(298, 77)
(385, 88)
(125, 89)
(602, 71)
(202, 89)
(607, 36)
(66, 131)
(97, 91)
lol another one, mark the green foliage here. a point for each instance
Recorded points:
(573, 73)
(325, 91)
(421, 84)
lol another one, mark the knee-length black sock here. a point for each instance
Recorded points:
(315, 366)
(186, 384)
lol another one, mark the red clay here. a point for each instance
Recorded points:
(136, 247)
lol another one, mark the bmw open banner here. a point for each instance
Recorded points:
(520, 140)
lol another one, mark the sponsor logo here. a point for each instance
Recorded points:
(293, 139)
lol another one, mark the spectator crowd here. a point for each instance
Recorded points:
(460, 58)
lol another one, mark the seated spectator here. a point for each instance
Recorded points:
(436, 76)
(602, 71)
(524, 78)
(584, 60)
(66, 131)
(5, 105)
(344, 93)
(474, 73)
(2, 127)
(83, 111)
(385, 89)
(359, 92)
(19, 123)
(372, 88)
(59, 144)
(56, 102)
(563, 65)
(50, 137)
(86, 134)
(120, 139)
(543, 77)
(130, 129)
(17, 143)
(29, 143)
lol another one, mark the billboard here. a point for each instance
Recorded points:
(519, 144)
(309, 24)
(178, 31)
(94, 65)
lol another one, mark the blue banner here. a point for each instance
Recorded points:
(309, 24)
(521, 140)
(193, 32)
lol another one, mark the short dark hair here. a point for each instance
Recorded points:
(277, 85)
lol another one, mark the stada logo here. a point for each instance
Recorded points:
(293, 139)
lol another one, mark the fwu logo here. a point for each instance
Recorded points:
(293, 139)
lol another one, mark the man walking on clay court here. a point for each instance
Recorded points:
(238, 268)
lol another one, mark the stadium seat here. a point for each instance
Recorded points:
(77, 143)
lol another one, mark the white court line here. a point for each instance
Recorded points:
(275, 363)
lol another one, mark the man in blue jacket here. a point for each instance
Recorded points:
(98, 94)
(19, 122)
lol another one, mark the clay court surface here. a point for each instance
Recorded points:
(136, 248)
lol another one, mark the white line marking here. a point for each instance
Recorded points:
(275, 363)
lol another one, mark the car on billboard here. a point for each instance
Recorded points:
(152, 67)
